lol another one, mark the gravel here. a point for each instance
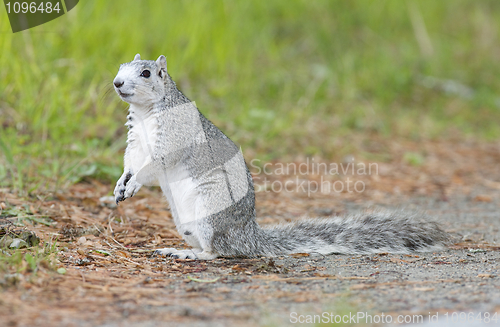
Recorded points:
(433, 287)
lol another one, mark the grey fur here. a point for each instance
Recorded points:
(210, 190)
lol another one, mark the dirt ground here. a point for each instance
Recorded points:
(112, 279)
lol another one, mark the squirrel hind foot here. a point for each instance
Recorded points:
(185, 254)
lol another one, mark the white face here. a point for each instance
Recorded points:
(139, 82)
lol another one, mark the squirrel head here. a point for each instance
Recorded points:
(143, 82)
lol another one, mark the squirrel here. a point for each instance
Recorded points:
(208, 185)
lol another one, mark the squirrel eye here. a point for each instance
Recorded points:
(146, 73)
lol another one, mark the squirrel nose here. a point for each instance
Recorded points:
(118, 83)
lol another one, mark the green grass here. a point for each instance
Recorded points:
(279, 77)
(17, 265)
(24, 259)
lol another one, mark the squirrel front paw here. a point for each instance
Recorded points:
(126, 187)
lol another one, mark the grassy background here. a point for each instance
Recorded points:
(279, 77)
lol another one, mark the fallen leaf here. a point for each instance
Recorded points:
(237, 268)
(203, 280)
(102, 252)
(223, 290)
(482, 198)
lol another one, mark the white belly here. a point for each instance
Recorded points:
(196, 199)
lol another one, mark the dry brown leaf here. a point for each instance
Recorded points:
(237, 268)
(482, 198)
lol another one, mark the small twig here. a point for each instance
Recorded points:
(111, 246)
(141, 250)
(111, 237)
(109, 224)
(112, 232)
(27, 216)
(42, 200)
(138, 264)
(83, 276)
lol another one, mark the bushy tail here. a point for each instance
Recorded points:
(378, 232)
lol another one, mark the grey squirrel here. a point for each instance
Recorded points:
(205, 179)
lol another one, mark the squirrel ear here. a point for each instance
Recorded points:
(137, 57)
(161, 62)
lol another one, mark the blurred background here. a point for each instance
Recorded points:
(281, 78)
